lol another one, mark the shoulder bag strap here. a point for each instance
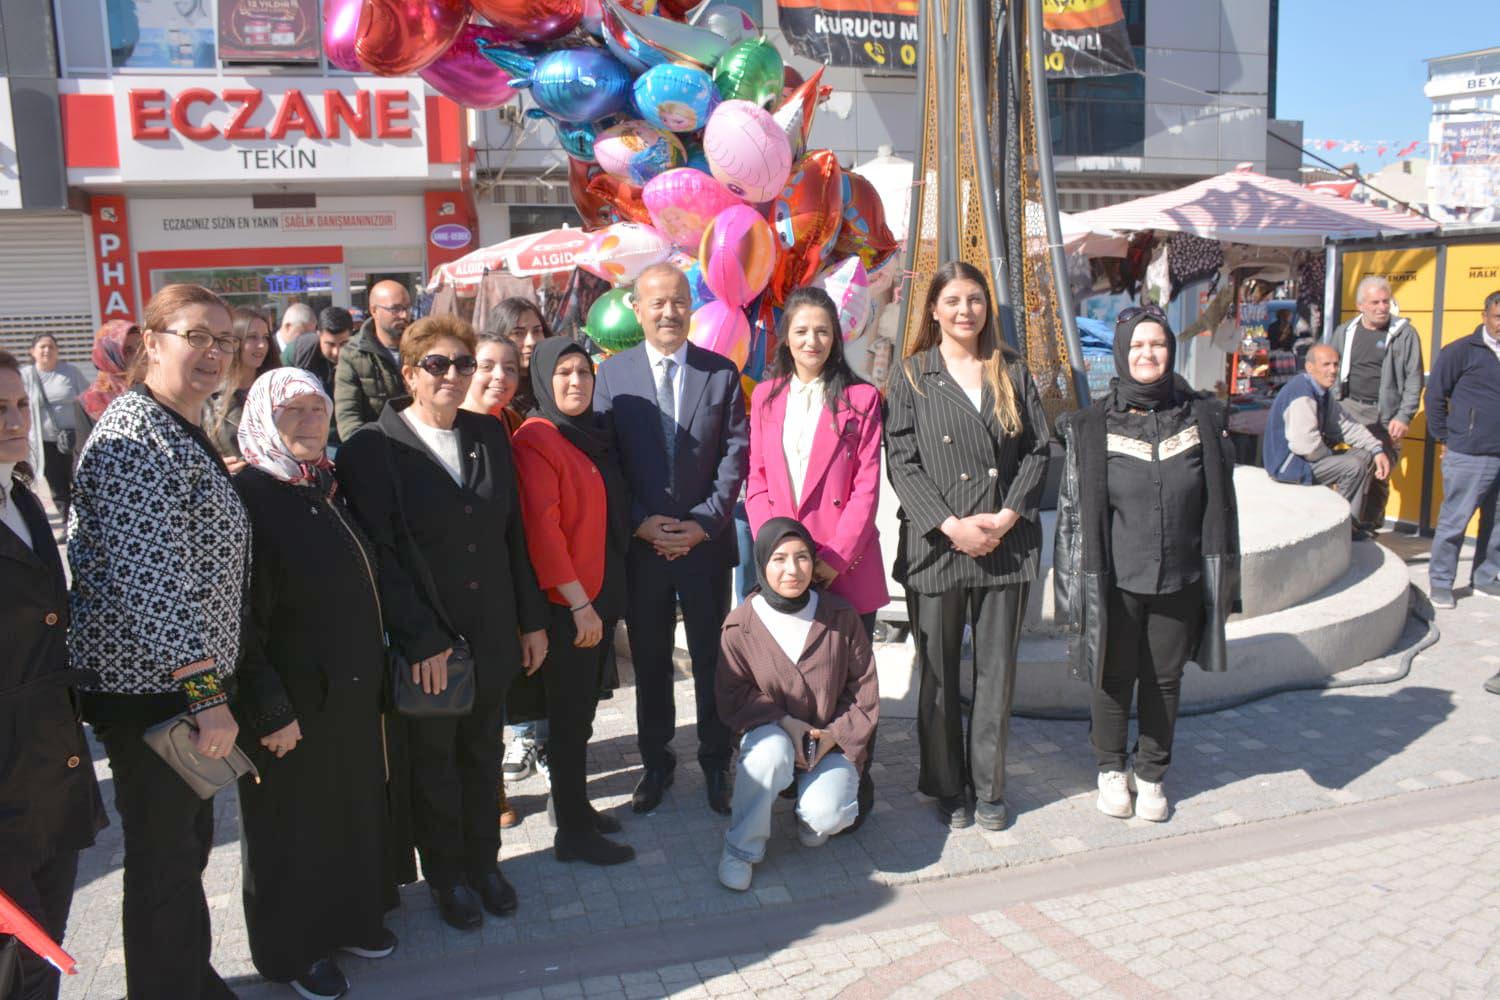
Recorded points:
(423, 572)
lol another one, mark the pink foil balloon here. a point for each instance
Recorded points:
(723, 329)
(400, 37)
(463, 74)
(747, 151)
(532, 20)
(340, 30)
(683, 202)
(619, 253)
(737, 255)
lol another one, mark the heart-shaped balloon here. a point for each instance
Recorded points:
(463, 73)
(341, 31)
(532, 20)
(399, 37)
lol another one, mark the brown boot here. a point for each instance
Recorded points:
(508, 815)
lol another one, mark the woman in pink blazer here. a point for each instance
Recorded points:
(815, 432)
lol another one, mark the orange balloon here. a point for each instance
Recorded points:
(601, 199)
(806, 217)
(864, 231)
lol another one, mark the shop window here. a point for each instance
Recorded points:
(81, 35)
(527, 219)
(1104, 115)
(268, 290)
(161, 34)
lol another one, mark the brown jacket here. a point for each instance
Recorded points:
(831, 687)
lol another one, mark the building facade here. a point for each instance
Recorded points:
(1463, 184)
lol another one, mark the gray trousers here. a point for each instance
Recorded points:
(1470, 483)
(1349, 472)
(1372, 512)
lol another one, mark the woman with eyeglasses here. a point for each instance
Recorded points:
(159, 549)
(1147, 555)
(434, 486)
(254, 358)
(967, 445)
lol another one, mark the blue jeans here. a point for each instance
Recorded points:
(744, 573)
(827, 796)
(1470, 482)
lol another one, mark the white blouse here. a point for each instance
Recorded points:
(804, 405)
(10, 515)
(443, 445)
(789, 630)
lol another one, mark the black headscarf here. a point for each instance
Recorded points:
(582, 433)
(771, 534)
(1130, 394)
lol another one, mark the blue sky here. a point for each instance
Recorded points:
(1355, 70)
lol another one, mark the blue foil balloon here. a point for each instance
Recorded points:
(571, 85)
(675, 98)
(702, 294)
(576, 140)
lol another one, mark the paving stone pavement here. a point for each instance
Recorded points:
(1285, 756)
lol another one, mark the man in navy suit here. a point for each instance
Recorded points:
(677, 416)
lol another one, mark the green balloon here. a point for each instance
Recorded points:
(750, 71)
(612, 323)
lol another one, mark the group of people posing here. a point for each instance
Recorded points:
(496, 506)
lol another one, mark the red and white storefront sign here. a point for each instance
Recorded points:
(114, 272)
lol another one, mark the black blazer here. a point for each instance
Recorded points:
(49, 800)
(713, 445)
(946, 458)
(470, 538)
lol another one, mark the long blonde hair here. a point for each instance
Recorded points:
(992, 351)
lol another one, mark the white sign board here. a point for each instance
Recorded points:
(10, 170)
(188, 223)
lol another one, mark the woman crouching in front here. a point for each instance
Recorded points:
(797, 680)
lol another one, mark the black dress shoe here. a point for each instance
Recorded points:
(954, 810)
(991, 815)
(717, 784)
(458, 906)
(497, 895)
(647, 794)
(605, 823)
(589, 846)
(322, 981)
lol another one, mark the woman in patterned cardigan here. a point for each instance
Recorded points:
(159, 548)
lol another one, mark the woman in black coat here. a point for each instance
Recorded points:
(434, 486)
(1147, 557)
(49, 801)
(315, 827)
(967, 448)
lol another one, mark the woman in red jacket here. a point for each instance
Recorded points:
(575, 505)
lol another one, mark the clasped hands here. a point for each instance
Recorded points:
(978, 534)
(670, 537)
(799, 731)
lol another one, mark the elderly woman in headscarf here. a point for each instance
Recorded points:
(1147, 555)
(115, 347)
(315, 827)
(575, 505)
(796, 680)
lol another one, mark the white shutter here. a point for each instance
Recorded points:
(45, 285)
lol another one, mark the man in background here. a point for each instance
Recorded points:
(298, 320)
(369, 366)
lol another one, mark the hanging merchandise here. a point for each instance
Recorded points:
(1192, 258)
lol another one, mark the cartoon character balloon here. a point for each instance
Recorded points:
(602, 199)
(863, 231)
(806, 217)
(746, 151)
(750, 71)
(675, 98)
(399, 37)
(571, 85)
(683, 202)
(532, 20)
(611, 322)
(723, 329)
(619, 253)
(464, 75)
(737, 255)
(638, 151)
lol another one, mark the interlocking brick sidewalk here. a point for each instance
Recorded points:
(1287, 756)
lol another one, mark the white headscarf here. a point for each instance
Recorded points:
(260, 441)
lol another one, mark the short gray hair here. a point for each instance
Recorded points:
(1368, 282)
(1492, 301)
(301, 314)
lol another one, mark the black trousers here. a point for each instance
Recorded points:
(656, 588)
(948, 767)
(1148, 641)
(572, 678)
(57, 469)
(45, 891)
(455, 797)
(168, 834)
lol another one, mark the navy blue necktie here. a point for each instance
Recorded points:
(666, 404)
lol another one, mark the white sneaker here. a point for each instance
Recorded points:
(542, 767)
(1114, 795)
(519, 760)
(734, 873)
(810, 837)
(1151, 801)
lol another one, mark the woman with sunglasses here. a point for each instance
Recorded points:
(1147, 554)
(159, 546)
(221, 418)
(434, 486)
(967, 442)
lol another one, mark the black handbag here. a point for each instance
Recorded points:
(457, 699)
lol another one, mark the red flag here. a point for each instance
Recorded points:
(16, 921)
(1330, 144)
(1408, 149)
(1380, 150)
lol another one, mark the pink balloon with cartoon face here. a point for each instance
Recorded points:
(747, 151)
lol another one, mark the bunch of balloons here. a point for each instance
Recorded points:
(687, 136)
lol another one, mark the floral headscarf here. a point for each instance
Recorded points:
(260, 441)
(109, 359)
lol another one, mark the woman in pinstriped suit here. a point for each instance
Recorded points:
(967, 447)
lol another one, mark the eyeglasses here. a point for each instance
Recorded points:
(1149, 309)
(202, 340)
(398, 310)
(437, 365)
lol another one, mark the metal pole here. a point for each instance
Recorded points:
(979, 54)
(1043, 128)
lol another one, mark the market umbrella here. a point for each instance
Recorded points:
(520, 256)
(1245, 207)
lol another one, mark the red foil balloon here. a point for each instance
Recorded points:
(806, 217)
(465, 75)
(602, 199)
(864, 231)
(532, 20)
(400, 37)
(341, 31)
(677, 10)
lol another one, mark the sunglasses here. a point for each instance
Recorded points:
(437, 365)
(1150, 309)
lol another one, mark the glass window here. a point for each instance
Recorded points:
(161, 34)
(1104, 115)
(526, 219)
(265, 289)
(80, 30)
